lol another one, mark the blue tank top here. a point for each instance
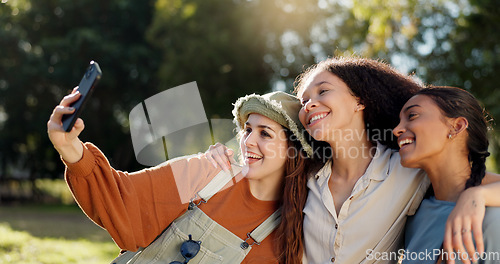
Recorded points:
(424, 233)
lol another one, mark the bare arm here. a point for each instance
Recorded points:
(489, 189)
(466, 220)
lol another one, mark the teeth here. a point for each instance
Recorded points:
(405, 141)
(253, 156)
(316, 118)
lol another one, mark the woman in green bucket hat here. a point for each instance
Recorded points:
(229, 217)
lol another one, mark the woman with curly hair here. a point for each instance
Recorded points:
(359, 195)
(359, 200)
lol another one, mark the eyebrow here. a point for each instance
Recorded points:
(315, 85)
(322, 82)
(261, 126)
(411, 106)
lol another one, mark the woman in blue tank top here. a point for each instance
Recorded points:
(444, 132)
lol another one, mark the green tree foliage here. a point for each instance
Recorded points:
(229, 47)
(46, 46)
(221, 44)
(458, 45)
(442, 42)
(203, 41)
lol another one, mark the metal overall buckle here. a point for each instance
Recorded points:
(245, 245)
(192, 204)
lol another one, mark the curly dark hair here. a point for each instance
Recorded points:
(380, 88)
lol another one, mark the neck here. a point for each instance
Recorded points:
(448, 181)
(269, 189)
(352, 157)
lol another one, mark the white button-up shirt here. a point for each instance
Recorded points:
(369, 226)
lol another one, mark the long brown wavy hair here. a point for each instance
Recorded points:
(290, 231)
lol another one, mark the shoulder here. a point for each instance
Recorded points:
(492, 217)
(396, 167)
(388, 161)
(491, 229)
(188, 174)
(319, 174)
(385, 157)
(196, 163)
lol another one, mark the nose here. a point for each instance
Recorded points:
(309, 105)
(250, 140)
(399, 129)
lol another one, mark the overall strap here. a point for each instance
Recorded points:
(264, 229)
(219, 181)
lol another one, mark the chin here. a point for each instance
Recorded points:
(250, 174)
(408, 163)
(318, 134)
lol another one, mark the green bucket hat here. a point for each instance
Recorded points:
(277, 106)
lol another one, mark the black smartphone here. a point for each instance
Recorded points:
(86, 87)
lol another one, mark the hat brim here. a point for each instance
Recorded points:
(272, 109)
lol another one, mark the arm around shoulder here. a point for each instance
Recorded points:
(489, 189)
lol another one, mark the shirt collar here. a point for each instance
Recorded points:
(378, 169)
(324, 173)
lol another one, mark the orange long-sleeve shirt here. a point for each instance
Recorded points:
(136, 207)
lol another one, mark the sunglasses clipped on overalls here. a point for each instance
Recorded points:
(195, 238)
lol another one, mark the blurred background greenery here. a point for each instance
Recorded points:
(229, 47)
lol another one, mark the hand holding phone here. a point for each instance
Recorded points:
(86, 87)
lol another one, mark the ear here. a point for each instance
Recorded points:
(359, 107)
(459, 125)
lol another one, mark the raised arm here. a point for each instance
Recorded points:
(121, 203)
(133, 207)
(465, 222)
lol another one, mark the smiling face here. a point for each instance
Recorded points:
(329, 109)
(264, 146)
(422, 132)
